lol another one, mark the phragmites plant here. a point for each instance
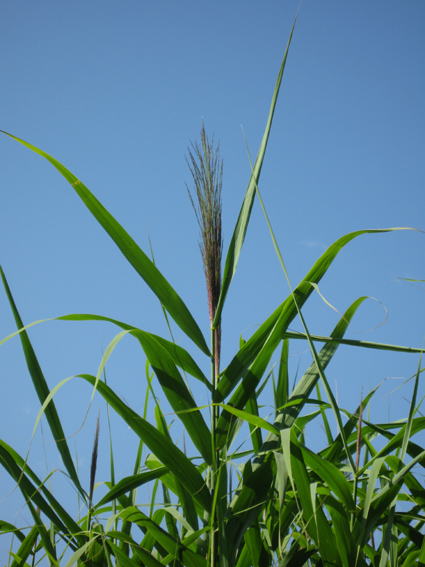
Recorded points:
(358, 501)
(207, 172)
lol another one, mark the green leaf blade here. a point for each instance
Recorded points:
(132, 252)
(42, 390)
(176, 462)
(177, 394)
(241, 227)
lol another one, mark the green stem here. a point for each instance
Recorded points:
(214, 468)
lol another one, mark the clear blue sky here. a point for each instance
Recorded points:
(116, 91)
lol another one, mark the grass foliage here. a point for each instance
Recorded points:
(356, 502)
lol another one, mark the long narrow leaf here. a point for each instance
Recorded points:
(316, 524)
(332, 476)
(375, 506)
(253, 419)
(282, 387)
(341, 526)
(43, 392)
(173, 546)
(177, 394)
(124, 560)
(7, 528)
(179, 355)
(130, 483)
(311, 344)
(176, 462)
(132, 252)
(255, 486)
(303, 388)
(239, 233)
(44, 536)
(25, 548)
(356, 343)
(42, 498)
(249, 500)
(252, 409)
(412, 410)
(275, 327)
(173, 386)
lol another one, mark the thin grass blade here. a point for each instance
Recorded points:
(174, 547)
(43, 392)
(303, 388)
(177, 394)
(239, 233)
(7, 528)
(377, 504)
(25, 549)
(124, 560)
(316, 524)
(255, 485)
(176, 462)
(355, 343)
(250, 498)
(130, 483)
(252, 419)
(37, 492)
(412, 410)
(180, 356)
(256, 437)
(341, 526)
(44, 536)
(332, 476)
(282, 387)
(275, 328)
(132, 252)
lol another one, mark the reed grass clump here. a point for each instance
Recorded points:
(356, 502)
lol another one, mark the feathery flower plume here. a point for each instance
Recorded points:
(207, 172)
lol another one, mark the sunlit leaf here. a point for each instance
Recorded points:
(132, 252)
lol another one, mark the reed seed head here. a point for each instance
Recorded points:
(206, 168)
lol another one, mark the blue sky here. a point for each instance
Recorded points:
(116, 91)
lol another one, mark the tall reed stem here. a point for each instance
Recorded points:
(207, 172)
